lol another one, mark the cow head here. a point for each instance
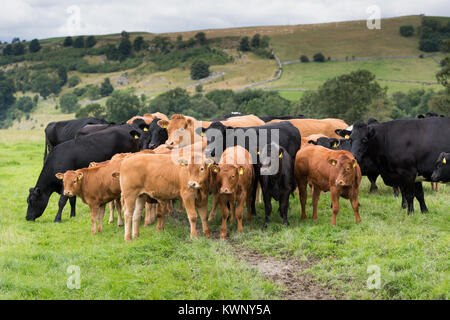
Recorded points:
(360, 139)
(198, 171)
(270, 158)
(227, 177)
(215, 136)
(179, 129)
(145, 135)
(158, 135)
(37, 202)
(343, 170)
(441, 170)
(344, 133)
(71, 181)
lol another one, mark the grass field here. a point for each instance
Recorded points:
(411, 251)
(312, 75)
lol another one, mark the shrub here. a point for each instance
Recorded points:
(407, 31)
(91, 110)
(121, 106)
(319, 57)
(199, 70)
(106, 88)
(69, 103)
(34, 45)
(25, 104)
(304, 58)
(73, 81)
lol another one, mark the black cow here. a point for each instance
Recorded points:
(220, 137)
(429, 115)
(270, 118)
(75, 154)
(404, 151)
(441, 172)
(279, 185)
(61, 131)
(91, 128)
(152, 134)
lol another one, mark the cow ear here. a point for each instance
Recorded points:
(215, 168)
(444, 161)
(92, 164)
(163, 124)
(80, 176)
(209, 162)
(281, 155)
(189, 123)
(370, 132)
(241, 170)
(354, 163)
(136, 135)
(60, 176)
(332, 162)
(312, 142)
(200, 131)
(116, 175)
(145, 127)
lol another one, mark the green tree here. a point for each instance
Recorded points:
(62, 74)
(73, 81)
(69, 103)
(173, 101)
(199, 70)
(244, 44)
(443, 76)
(347, 96)
(319, 57)
(7, 51)
(440, 104)
(34, 45)
(106, 88)
(264, 42)
(407, 31)
(204, 107)
(79, 42)
(304, 58)
(138, 43)
(200, 37)
(256, 41)
(90, 42)
(18, 49)
(124, 47)
(91, 110)
(121, 106)
(68, 41)
(7, 90)
(25, 104)
(45, 85)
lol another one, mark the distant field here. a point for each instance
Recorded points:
(291, 94)
(311, 75)
(411, 251)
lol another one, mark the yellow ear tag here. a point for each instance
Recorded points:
(145, 129)
(444, 161)
(203, 134)
(280, 156)
(241, 171)
(347, 136)
(335, 145)
(182, 164)
(258, 153)
(80, 177)
(333, 163)
(209, 165)
(216, 170)
(136, 137)
(354, 164)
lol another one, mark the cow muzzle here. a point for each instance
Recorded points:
(68, 194)
(194, 184)
(225, 191)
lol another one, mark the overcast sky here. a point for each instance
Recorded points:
(30, 19)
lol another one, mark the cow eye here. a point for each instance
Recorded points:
(202, 168)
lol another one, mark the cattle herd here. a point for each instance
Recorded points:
(151, 161)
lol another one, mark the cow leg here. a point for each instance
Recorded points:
(225, 212)
(315, 201)
(94, 214)
(258, 193)
(61, 204)
(284, 207)
(203, 212)
(180, 206)
(150, 213)
(73, 203)
(418, 193)
(129, 205)
(213, 212)
(111, 212)
(137, 213)
(248, 201)
(161, 211)
(373, 183)
(435, 186)
(240, 211)
(396, 192)
(335, 205)
(302, 194)
(408, 193)
(101, 213)
(189, 204)
(267, 206)
(255, 187)
(355, 205)
(118, 206)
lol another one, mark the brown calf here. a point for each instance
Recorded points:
(163, 179)
(328, 170)
(325, 127)
(232, 183)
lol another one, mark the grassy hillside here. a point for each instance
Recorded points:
(311, 75)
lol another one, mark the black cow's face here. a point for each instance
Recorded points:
(159, 135)
(270, 159)
(144, 133)
(360, 137)
(441, 172)
(37, 202)
(215, 136)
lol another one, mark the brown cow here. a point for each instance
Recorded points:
(328, 170)
(232, 183)
(181, 129)
(163, 179)
(309, 127)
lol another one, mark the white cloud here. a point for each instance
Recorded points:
(29, 19)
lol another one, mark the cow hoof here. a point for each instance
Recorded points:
(57, 221)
